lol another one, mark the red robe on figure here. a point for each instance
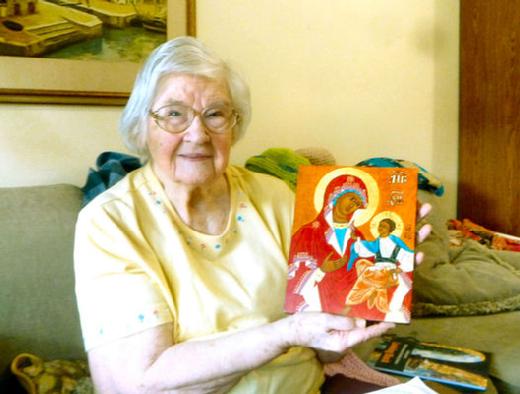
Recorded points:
(309, 288)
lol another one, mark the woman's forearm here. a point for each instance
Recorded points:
(149, 363)
(210, 364)
(200, 364)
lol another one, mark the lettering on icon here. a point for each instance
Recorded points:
(396, 198)
(398, 177)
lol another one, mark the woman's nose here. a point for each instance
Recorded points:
(197, 131)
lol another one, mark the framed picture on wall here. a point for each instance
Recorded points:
(82, 51)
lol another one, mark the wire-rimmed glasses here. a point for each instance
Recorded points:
(176, 118)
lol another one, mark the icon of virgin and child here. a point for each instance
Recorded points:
(350, 258)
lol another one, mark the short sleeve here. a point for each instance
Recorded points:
(118, 280)
(274, 200)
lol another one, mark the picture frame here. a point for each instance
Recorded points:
(63, 81)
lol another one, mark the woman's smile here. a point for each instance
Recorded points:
(195, 156)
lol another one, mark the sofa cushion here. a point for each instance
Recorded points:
(463, 280)
(38, 308)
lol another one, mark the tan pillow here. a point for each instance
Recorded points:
(48, 377)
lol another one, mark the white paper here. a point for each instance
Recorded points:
(413, 386)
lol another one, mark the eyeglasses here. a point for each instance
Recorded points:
(176, 118)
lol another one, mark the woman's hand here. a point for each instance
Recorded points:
(330, 335)
(423, 231)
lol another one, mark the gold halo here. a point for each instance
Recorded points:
(368, 180)
(399, 224)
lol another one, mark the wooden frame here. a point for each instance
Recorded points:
(62, 81)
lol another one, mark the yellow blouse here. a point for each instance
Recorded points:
(138, 266)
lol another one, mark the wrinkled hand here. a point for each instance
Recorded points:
(328, 332)
(423, 210)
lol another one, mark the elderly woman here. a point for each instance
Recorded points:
(181, 267)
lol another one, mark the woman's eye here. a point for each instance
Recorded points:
(214, 114)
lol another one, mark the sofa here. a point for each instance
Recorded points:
(37, 305)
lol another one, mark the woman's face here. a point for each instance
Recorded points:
(196, 156)
(345, 206)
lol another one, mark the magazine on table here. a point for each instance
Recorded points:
(459, 367)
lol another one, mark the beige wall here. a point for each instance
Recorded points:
(362, 78)
(53, 144)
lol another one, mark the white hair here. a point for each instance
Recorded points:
(184, 55)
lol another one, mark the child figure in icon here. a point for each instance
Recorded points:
(384, 272)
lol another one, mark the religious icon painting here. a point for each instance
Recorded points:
(353, 241)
